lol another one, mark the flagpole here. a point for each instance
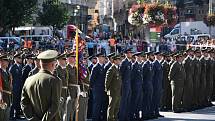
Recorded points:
(77, 63)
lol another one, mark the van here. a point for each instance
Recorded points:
(5, 41)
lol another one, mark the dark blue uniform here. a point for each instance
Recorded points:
(16, 72)
(97, 81)
(137, 90)
(25, 72)
(125, 70)
(148, 74)
(157, 86)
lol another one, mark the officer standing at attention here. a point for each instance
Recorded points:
(157, 83)
(148, 73)
(60, 72)
(5, 90)
(42, 87)
(16, 72)
(27, 68)
(36, 66)
(74, 87)
(113, 83)
(177, 76)
(136, 86)
(97, 83)
(188, 84)
(125, 71)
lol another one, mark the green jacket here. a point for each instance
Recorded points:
(177, 73)
(113, 81)
(40, 99)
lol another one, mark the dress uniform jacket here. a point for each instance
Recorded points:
(167, 93)
(33, 71)
(188, 84)
(196, 80)
(137, 89)
(16, 72)
(97, 82)
(41, 97)
(113, 87)
(6, 94)
(157, 85)
(125, 71)
(209, 79)
(148, 74)
(177, 75)
(107, 66)
(25, 72)
(203, 80)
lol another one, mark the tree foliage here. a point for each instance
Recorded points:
(53, 14)
(15, 13)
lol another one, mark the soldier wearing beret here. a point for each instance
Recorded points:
(136, 86)
(113, 83)
(125, 71)
(16, 72)
(97, 83)
(177, 76)
(42, 87)
(5, 89)
(60, 72)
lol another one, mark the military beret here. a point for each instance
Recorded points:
(137, 53)
(4, 57)
(111, 55)
(100, 54)
(115, 57)
(48, 55)
(128, 50)
(61, 56)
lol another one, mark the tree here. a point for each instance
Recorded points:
(53, 14)
(15, 13)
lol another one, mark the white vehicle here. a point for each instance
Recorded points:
(4, 42)
(34, 30)
(189, 28)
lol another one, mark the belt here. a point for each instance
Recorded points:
(8, 92)
(74, 85)
(64, 87)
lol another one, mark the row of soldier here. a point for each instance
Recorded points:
(133, 84)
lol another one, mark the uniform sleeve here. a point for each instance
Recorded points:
(172, 72)
(55, 100)
(93, 76)
(108, 79)
(27, 107)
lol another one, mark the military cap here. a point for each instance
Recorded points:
(61, 56)
(48, 55)
(128, 50)
(178, 55)
(4, 57)
(71, 55)
(111, 55)
(29, 56)
(137, 53)
(100, 54)
(18, 55)
(189, 49)
(204, 49)
(149, 53)
(143, 54)
(157, 53)
(210, 50)
(115, 57)
(92, 57)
